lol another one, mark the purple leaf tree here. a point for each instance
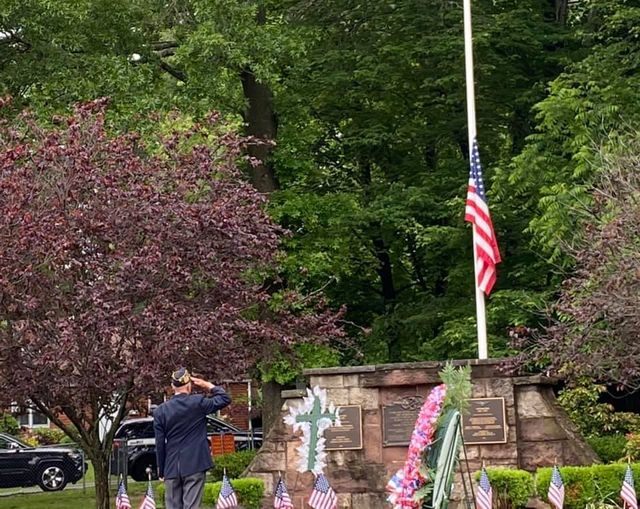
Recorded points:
(120, 261)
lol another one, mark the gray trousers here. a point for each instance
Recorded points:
(184, 492)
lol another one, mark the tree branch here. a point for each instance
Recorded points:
(176, 73)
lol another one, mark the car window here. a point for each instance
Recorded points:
(216, 426)
(7, 443)
(136, 430)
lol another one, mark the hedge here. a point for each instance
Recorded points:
(585, 485)
(511, 488)
(249, 490)
(608, 448)
(235, 464)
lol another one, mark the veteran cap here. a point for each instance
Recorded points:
(180, 377)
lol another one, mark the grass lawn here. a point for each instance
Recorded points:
(70, 499)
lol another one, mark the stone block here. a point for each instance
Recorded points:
(289, 404)
(540, 429)
(344, 501)
(351, 381)
(388, 396)
(390, 454)
(293, 393)
(473, 452)
(501, 388)
(269, 462)
(267, 479)
(292, 454)
(369, 501)
(399, 377)
(479, 388)
(338, 397)
(356, 477)
(540, 454)
(366, 398)
(536, 503)
(531, 403)
(424, 390)
(299, 483)
(327, 381)
(372, 417)
(372, 443)
(499, 451)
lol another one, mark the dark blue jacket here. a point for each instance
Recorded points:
(180, 425)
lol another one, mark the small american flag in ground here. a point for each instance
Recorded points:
(484, 238)
(282, 499)
(227, 497)
(628, 492)
(556, 489)
(484, 495)
(148, 502)
(122, 499)
(323, 496)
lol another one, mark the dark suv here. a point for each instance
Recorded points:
(141, 443)
(49, 467)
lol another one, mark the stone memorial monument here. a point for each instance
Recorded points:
(513, 421)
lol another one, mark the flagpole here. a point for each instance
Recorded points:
(471, 123)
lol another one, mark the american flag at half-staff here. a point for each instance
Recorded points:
(323, 496)
(227, 498)
(484, 494)
(556, 489)
(486, 254)
(148, 502)
(282, 499)
(628, 491)
(122, 499)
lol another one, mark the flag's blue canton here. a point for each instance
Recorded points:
(628, 477)
(226, 488)
(280, 490)
(484, 482)
(476, 172)
(322, 484)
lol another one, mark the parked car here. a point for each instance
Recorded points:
(51, 468)
(140, 442)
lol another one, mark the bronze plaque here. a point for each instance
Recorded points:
(485, 422)
(349, 434)
(399, 419)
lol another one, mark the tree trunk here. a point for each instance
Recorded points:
(101, 469)
(271, 405)
(562, 10)
(261, 122)
(385, 271)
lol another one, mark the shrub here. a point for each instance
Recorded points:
(585, 486)
(601, 419)
(511, 488)
(235, 464)
(46, 436)
(30, 440)
(632, 447)
(609, 448)
(8, 424)
(249, 490)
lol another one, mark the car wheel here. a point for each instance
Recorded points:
(52, 477)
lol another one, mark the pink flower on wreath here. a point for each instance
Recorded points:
(406, 481)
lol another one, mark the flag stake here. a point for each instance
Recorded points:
(471, 124)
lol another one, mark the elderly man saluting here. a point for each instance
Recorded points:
(182, 448)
